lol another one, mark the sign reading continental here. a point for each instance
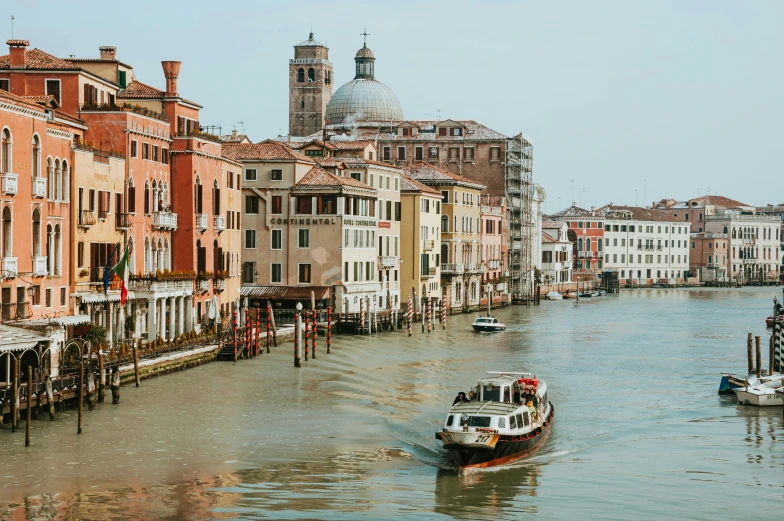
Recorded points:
(320, 220)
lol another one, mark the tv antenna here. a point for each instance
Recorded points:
(12, 26)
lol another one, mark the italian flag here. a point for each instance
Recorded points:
(122, 270)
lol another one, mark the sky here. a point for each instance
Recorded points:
(624, 101)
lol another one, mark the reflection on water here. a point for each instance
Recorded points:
(639, 432)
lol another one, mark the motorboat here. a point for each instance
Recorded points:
(586, 294)
(569, 296)
(769, 320)
(487, 324)
(730, 382)
(600, 293)
(762, 391)
(497, 426)
(553, 295)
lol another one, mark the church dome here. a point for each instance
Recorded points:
(364, 97)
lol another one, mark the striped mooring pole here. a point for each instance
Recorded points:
(443, 309)
(408, 315)
(305, 332)
(361, 315)
(269, 326)
(234, 329)
(315, 334)
(246, 349)
(297, 361)
(429, 305)
(258, 330)
(329, 327)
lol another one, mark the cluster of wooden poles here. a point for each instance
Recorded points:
(427, 313)
(250, 345)
(305, 328)
(757, 367)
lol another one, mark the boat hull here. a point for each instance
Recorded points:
(501, 449)
(488, 328)
(759, 399)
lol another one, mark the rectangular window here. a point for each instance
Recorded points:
(250, 174)
(250, 239)
(63, 297)
(53, 89)
(145, 151)
(276, 273)
(48, 297)
(251, 204)
(495, 153)
(304, 238)
(277, 240)
(37, 295)
(134, 148)
(387, 151)
(277, 204)
(401, 153)
(419, 154)
(304, 273)
(305, 205)
(468, 154)
(165, 156)
(445, 196)
(276, 175)
(5, 85)
(155, 152)
(80, 254)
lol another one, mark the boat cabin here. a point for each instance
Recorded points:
(486, 320)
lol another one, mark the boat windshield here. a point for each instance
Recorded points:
(483, 320)
(491, 393)
(479, 421)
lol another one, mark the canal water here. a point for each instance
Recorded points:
(640, 432)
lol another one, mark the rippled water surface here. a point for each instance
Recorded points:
(640, 432)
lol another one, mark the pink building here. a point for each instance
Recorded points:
(493, 241)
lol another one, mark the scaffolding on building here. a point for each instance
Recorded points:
(519, 189)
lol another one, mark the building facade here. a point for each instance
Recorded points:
(557, 253)
(708, 258)
(310, 87)
(494, 243)
(586, 232)
(420, 258)
(753, 247)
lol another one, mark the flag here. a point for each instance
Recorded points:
(106, 271)
(122, 270)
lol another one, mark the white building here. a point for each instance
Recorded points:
(556, 253)
(754, 243)
(646, 246)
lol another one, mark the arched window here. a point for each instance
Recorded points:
(147, 197)
(50, 176)
(166, 255)
(588, 244)
(311, 75)
(6, 159)
(444, 223)
(301, 75)
(36, 157)
(66, 188)
(57, 180)
(36, 232)
(164, 196)
(147, 256)
(154, 257)
(58, 250)
(725, 229)
(49, 251)
(154, 202)
(580, 244)
(8, 242)
(161, 265)
(197, 195)
(710, 261)
(733, 233)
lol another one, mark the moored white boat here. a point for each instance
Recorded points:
(762, 391)
(497, 427)
(553, 295)
(488, 325)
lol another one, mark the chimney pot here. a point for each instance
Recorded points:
(17, 50)
(171, 69)
(108, 52)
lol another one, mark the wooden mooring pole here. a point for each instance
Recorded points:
(408, 315)
(246, 349)
(315, 333)
(770, 356)
(258, 330)
(329, 328)
(443, 309)
(135, 365)
(297, 360)
(81, 394)
(750, 353)
(101, 377)
(14, 393)
(759, 357)
(29, 404)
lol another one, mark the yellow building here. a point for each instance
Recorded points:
(421, 240)
(461, 269)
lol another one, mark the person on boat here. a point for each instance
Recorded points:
(531, 409)
(471, 396)
(461, 398)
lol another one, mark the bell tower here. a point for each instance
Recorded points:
(310, 87)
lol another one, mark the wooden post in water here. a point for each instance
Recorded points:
(305, 332)
(315, 333)
(329, 328)
(361, 315)
(101, 377)
(246, 349)
(297, 360)
(443, 309)
(81, 392)
(49, 396)
(749, 353)
(429, 307)
(234, 331)
(408, 314)
(14, 391)
(759, 357)
(29, 404)
(258, 329)
(274, 327)
(770, 356)
(269, 327)
(136, 378)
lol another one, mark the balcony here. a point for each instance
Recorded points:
(39, 187)
(219, 223)
(219, 285)
(713, 265)
(201, 221)
(748, 240)
(586, 254)
(430, 244)
(152, 285)
(387, 262)
(164, 221)
(10, 264)
(471, 268)
(452, 269)
(9, 183)
(39, 266)
(428, 272)
(501, 287)
(86, 218)
(749, 261)
(122, 221)
(203, 286)
(16, 311)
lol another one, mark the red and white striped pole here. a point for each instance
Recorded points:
(297, 361)
(258, 328)
(246, 349)
(234, 329)
(443, 309)
(269, 326)
(315, 333)
(408, 315)
(429, 304)
(305, 332)
(329, 327)
(361, 315)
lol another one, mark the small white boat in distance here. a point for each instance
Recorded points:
(553, 295)
(764, 391)
(487, 324)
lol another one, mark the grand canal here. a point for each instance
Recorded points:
(640, 432)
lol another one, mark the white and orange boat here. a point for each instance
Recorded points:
(497, 427)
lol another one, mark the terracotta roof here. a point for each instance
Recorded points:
(320, 177)
(546, 237)
(330, 162)
(637, 213)
(412, 185)
(427, 172)
(474, 131)
(266, 150)
(298, 145)
(138, 89)
(352, 145)
(19, 100)
(38, 59)
(718, 200)
(553, 224)
(46, 100)
(572, 211)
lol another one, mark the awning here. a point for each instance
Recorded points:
(72, 320)
(18, 339)
(93, 297)
(285, 292)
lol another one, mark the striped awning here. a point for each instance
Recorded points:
(285, 292)
(18, 339)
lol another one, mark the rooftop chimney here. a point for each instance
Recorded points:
(171, 70)
(108, 52)
(18, 53)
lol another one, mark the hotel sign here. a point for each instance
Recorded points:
(305, 222)
(352, 222)
(384, 224)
